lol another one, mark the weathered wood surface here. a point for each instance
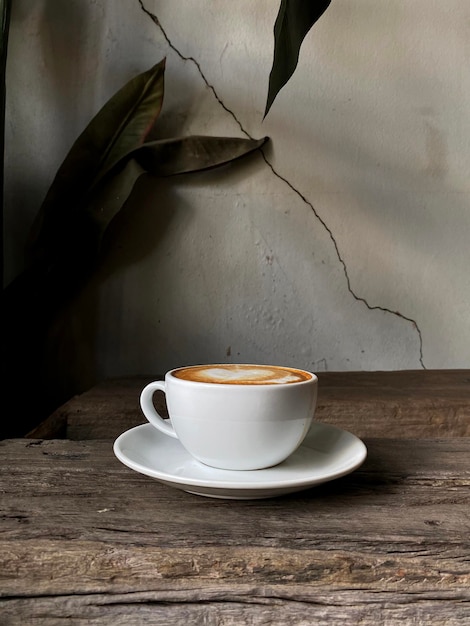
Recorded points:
(404, 404)
(84, 540)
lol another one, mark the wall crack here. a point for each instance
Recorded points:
(358, 298)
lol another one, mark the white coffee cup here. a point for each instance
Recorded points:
(239, 417)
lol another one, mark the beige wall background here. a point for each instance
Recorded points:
(346, 249)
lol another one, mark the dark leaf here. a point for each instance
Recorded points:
(294, 20)
(102, 206)
(191, 154)
(119, 127)
(103, 165)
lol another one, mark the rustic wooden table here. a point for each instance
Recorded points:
(85, 540)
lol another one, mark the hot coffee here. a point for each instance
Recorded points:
(233, 374)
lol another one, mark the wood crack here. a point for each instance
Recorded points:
(318, 596)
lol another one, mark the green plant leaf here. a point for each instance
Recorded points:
(191, 154)
(294, 20)
(120, 126)
(100, 171)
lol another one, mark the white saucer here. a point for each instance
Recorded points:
(325, 454)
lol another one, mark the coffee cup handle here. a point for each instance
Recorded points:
(146, 404)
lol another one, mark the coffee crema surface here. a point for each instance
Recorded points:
(242, 374)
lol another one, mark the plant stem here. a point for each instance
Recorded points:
(5, 6)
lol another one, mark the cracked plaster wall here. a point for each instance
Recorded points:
(343, 246)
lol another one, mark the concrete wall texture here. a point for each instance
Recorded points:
(346, 248)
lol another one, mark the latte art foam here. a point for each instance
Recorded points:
(242, 374)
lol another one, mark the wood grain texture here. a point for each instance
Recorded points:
(83, 539)
(404, 404)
